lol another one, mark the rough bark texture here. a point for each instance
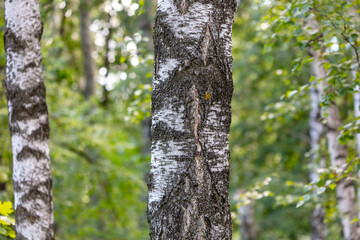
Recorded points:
(28, 121)
(191, 114)
(87, 49)
(345, 189)
(247, 219)
(318, 227)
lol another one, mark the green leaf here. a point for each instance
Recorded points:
(299, 204)
(312, 78)
(327, 66)
(290, 94)
(332, 186)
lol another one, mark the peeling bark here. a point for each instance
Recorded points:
(28, 121)
(345, 189)
(191, 114)
(87, 49)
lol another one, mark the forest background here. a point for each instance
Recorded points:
(100, 141)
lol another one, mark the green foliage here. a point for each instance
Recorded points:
(6, 222)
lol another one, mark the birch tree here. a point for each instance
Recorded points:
(192, 90)
(318, 227)
(345, 189)
(355, 71)
(28, 121)
(87, 49)
(247, 221)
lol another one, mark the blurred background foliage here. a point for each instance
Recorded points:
(99, 146)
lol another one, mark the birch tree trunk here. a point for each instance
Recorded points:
(191, 114)
(356, 95)
(318, 227)
(357, 112)
(28, 121)
(247, 219)
(87, 49)
(345, 189)
(356, 100)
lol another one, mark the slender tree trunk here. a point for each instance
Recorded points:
(192, 90)
(345, 189)
(318, 227)
(87, 49)
(356, 95)
(247, 219)
(28, 121)
(357, 112)
(145, 21)
(105, 92)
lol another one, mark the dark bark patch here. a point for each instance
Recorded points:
(11, 41)
(34, 192)
(28, 152)
(163, 132)
(40, 134)
(24, 215)
(26, 103)
(27, 66)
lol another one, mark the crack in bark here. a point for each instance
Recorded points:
(194, 202)
(183, 5)
(199, 157)
(26, 153)
(206, 42)
(196, 123)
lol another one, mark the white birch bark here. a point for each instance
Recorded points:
(356, 99)
(28, 121)
(345, 189)
(192, 89)
(318, 227)
(356, 96)
(247, 222)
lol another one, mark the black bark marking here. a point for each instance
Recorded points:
(11, 41)
(162, 131)
(27, 66)
(28, 152)
(42, 133)
(22, 214)
(33, 97)
(341, 156)
(34, 193)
